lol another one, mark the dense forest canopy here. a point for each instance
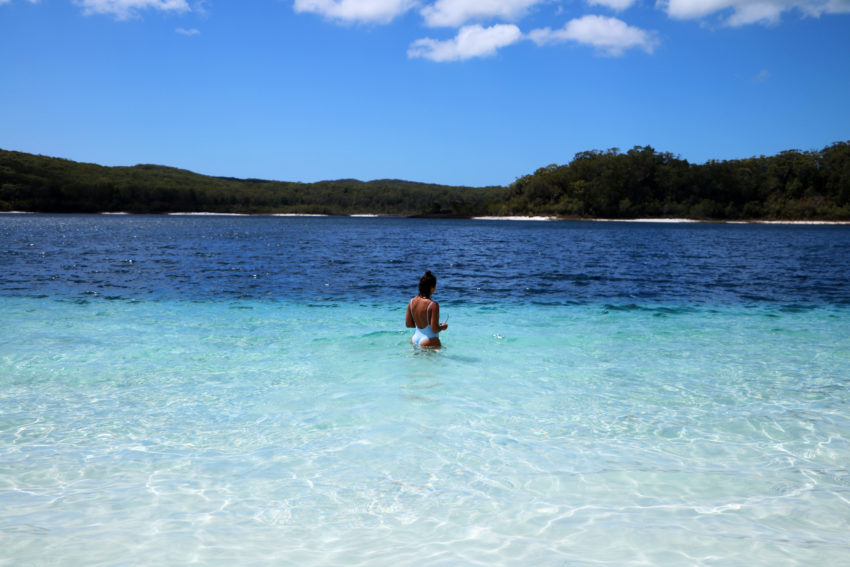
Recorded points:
(640, 183)
(36, 183)
(644, 183)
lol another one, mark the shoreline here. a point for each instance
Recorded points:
(516, 218)
(533, 218)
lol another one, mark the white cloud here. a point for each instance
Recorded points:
(366, 11)
(752, 11)
(471, 41)
(692, 9)
(189, 32)
(453, 13)
(616, 5)
(123, 9)
(609, 35)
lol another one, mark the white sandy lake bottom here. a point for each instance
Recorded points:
(251, 433)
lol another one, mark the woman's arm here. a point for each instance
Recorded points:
(435, 319)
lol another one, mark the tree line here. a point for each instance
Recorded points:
(43, 184)
(644, 183)
(639, 183)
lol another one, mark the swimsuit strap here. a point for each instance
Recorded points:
(428, 314)
(427, 310)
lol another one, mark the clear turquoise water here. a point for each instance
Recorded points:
(250, 432)
(222, 391)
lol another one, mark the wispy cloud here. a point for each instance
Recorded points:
(199, 7)
(761, 76)
(752, 11)
(609, 35)
(471, 41)
(361, 11)
(453, 13)
(124, 9)
(616, 5)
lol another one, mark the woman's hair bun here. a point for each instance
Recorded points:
(426, 282)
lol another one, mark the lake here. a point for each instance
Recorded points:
(227, 390)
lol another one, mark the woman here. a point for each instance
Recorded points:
(423, 314)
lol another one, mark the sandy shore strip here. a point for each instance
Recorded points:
(203, 214)
(550, 218)
(667, 220)
(673, 220)
(494, 218)
(516, 218)
(678, 220)
(796, 222)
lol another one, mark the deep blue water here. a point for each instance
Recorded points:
(380, 260)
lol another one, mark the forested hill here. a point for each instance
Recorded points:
(643, 183)
(640, 183)
(36, 183)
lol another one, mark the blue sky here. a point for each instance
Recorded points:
(460, 92)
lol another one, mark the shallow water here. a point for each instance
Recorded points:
(213, 422)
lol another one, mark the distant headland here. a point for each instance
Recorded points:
(640, 183)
